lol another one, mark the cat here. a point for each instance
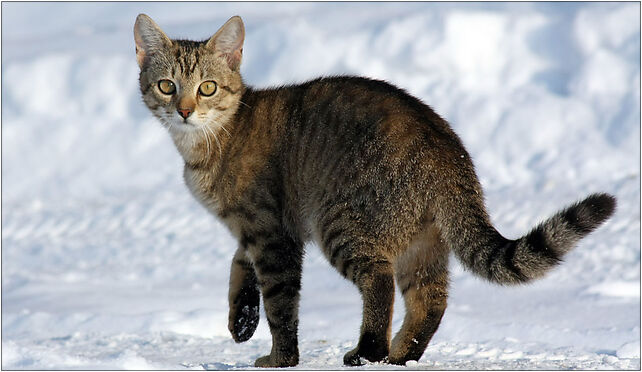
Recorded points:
(373, 175)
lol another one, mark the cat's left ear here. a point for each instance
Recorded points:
(228, 40)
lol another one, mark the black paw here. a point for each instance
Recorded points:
(352, 358)
(358, 357)
(244, 313)
(243, 322)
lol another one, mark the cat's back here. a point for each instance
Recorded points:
(341, 105)
(351, 117)
(352, 109)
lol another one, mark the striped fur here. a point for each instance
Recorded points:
(372, 174)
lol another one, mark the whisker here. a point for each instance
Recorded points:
(207, 139)
(209, 144)
(226, 131)
(220, 151)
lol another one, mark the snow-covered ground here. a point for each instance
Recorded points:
(108, 263)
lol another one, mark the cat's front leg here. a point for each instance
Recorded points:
(244, 298)
(278, 262)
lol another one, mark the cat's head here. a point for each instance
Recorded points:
(190, 85)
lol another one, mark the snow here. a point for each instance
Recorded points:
(108, 263)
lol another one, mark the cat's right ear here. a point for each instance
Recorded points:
(149, 38)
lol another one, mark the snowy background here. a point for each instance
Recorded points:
(108, 263)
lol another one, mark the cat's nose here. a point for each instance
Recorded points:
(184, 113)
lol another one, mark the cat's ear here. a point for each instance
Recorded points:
(228, 40)
(149, 38)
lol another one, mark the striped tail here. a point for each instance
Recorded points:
(488, 254)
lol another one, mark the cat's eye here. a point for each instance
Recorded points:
(207, 88)
(167, 86)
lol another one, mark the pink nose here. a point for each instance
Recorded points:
(184, 113)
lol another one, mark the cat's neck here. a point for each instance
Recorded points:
(197, 147)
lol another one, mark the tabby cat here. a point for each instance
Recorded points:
(370, 173)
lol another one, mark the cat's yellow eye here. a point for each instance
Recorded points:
(207, 88)
(167, 86)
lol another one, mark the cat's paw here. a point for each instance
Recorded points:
(359, 356)
(352, 358)
(400, 361)
(243, 321)
(268, 361)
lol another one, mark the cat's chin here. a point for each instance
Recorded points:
(180, 127)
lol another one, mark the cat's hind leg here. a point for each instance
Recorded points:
(422, 276)
(244, 298)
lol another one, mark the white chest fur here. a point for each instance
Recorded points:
(201, 184)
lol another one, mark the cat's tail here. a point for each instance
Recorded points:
(488, 254)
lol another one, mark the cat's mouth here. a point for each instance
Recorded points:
(188, 121)
(179, 125)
